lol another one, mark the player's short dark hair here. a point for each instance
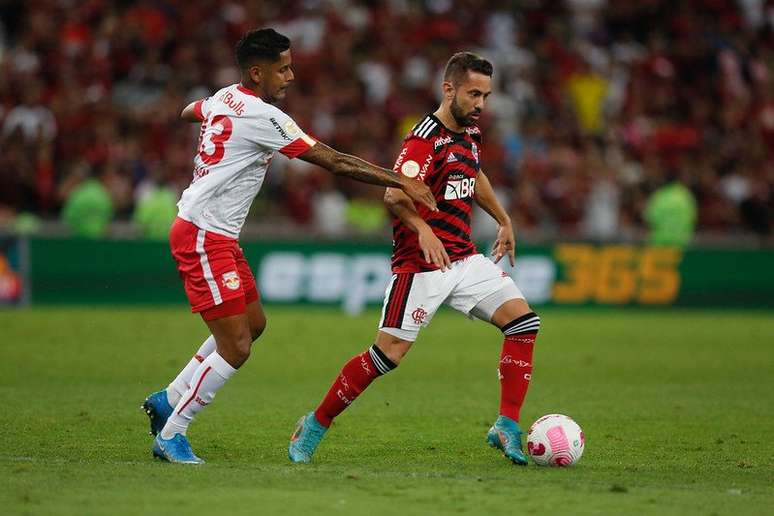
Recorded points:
(260, 45)
(463, 62)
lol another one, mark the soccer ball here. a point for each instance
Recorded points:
(555, 440)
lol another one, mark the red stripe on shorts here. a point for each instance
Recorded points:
(398, 300)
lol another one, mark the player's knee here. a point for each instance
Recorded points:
(394, 349)
(238, 348)
(242, 349)
(528, 323)
(257, 328)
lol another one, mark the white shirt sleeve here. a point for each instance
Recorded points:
(278, 132)
(202, 108)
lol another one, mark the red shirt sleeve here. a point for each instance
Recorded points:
(298, 147)
(198, 110)
(415, 159)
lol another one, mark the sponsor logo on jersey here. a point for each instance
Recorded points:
(441, 141)
(425, 167)
(460, 189)
(399, 161)
(199, 172)
(228, 99)
(452, 158)
(231, 280)
(410, 169)
(280, 129)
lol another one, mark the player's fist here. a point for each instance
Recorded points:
(419, 192)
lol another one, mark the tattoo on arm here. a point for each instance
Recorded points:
(350, 166)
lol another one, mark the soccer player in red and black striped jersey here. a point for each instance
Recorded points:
(434, 262)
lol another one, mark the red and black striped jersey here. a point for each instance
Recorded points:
(448, 163)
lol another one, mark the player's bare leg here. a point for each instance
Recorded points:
(392, 346)
(233, 336)
(159, 405)
(519, 326)
(256, 319)
(354, 378)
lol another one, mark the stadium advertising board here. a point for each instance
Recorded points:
(13, 270)
(354, 275)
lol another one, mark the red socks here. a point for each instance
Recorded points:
(355, 377)
(515, 372)
(515, 369)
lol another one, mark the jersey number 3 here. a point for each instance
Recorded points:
(218, 140)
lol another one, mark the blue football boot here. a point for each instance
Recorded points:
(306, 438)
(177, 450)
(158, 409)
(505, 435)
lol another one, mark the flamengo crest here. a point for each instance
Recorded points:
(419, 315)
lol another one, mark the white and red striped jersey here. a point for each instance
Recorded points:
(238, 138)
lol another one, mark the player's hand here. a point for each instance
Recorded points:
(419, 192)
(505, 244)
(433, 249)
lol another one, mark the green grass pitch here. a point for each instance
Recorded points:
(677, 408)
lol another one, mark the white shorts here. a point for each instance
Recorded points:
(474, 286)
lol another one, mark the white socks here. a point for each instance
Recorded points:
(207, 379)
(182, 383)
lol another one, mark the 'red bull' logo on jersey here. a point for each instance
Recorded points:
(229, 100)
(231, 280)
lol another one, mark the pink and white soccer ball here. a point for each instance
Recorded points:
(555, 440)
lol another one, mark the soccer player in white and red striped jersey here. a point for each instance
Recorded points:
(435, 262)
(241, 129)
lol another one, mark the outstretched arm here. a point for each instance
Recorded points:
(192, 112)
(399, 204)
(361, 170)
(486, 198)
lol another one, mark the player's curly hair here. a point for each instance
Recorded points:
(463, 62)
(260, 45)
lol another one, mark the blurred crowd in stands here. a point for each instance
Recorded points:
(598, 104)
